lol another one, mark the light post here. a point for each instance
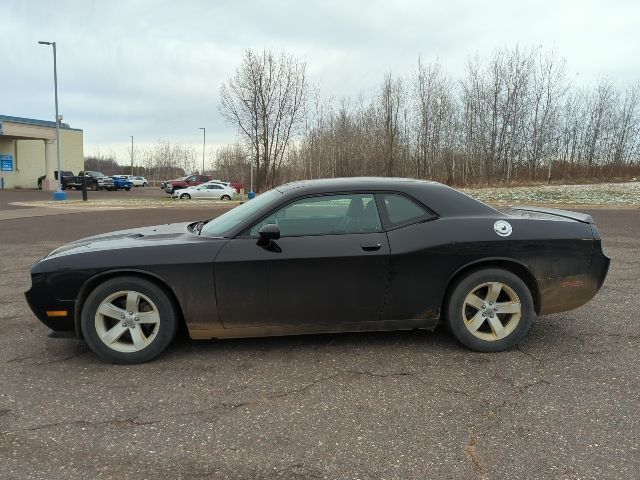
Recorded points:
(58, 194)
(132, 155)
(204, 144)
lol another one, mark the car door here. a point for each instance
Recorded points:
(330, 266)
(190, 181)
(215, 191)
(199, 192)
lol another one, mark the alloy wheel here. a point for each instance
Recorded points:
(491, 311)
(127, 321)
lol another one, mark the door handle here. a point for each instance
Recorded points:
(370, 247)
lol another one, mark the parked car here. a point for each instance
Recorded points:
(122, 181)
(95, 181)
(209, 191)
(63, 184)
(338, 255)
(237, 185)
(139, 181)
(186, 182)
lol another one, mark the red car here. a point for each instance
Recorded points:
(189, 181)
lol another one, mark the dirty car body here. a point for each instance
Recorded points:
(333, 265)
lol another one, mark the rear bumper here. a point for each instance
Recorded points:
(48, 309)
(567, 293)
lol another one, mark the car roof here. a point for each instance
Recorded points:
(351, 183)
(443, 200)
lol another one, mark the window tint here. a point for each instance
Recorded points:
(402, 210)
(326, 215)
(215, 187)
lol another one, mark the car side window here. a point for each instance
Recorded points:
(191, 179)
(215, 187)
(325, 215)
(401, 210)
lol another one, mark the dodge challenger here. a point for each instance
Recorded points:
(320, 256)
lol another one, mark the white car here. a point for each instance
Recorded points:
(206, 191)
(138, 181)
(220, 182)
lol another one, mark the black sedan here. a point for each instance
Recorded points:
(340, 255)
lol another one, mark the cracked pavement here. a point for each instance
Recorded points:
(564, 404)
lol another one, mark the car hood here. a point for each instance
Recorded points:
(133, 237)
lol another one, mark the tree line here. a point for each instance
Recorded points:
(514, 116)
(162, 161)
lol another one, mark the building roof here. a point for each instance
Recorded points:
(33, 121)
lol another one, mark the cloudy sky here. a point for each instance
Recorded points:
(153, 69)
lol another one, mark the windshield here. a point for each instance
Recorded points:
(225, 222)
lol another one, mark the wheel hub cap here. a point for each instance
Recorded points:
(491, 311)
(127, 321)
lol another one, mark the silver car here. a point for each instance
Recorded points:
(207, 191)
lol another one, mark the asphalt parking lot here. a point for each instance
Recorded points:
(565, 404)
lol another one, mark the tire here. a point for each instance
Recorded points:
(484, 322)
(93, 187)
(185, 196)
(127, 189)
(225, 197)
(144, 184)
(134, 341)
(39, 185)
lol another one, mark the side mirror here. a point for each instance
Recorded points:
(268, 233)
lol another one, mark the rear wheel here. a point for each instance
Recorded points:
(490, 310)
(226, 197)
(144, 184)
(127, 188)
(185, 196)
(128, 320)
(39, 184)
(93, 186)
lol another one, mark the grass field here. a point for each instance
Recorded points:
(612, 194)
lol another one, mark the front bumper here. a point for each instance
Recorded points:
(48, 309)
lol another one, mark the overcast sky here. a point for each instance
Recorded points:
(153, 69)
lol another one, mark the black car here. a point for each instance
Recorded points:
(336, 255)
(65, 175)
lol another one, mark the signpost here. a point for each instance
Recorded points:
(6, 163)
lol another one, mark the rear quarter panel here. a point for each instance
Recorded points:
(426, 256)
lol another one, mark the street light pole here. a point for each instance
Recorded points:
(132, 155)
(204, 144)
(59, 194)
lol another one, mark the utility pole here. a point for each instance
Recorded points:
(59, 194)
(132, 155)
(204, 144)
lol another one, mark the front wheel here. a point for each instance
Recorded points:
(144, 184)
(490, 310)
(128, 320)
(185, 196)
(127, 188)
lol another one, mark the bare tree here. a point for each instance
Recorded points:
(266, 101)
